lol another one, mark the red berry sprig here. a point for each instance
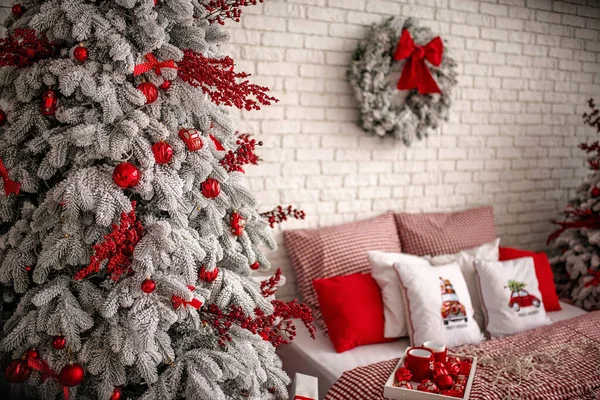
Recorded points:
(117, 247)
(280, 214)
(23, 47)
(220, 10)
(244, 154)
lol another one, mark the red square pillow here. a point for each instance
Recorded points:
(543, 272)
(352, 308)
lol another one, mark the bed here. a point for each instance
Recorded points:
(318, 358)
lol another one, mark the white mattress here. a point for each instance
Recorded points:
(319, 358)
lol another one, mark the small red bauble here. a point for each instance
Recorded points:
(32, 353)
(595, 192)
(444, 382)
(71, 375)
(49, 102)
(117, 394)
(255, 266)
(208, 276)
(2, 117)
(126, 175)
(80, 53)
(165, 85)
(210, 188)
(163, 152)
(59, 342)
(191, 138)
(18, 371)
(148, 286)
(149, 90)
(237, 223)
(18, 10)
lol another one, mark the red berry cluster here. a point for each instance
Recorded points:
(280, 214)
(220, 10)
(242, 155)
(268, 287)
(593, 117)
(22, 48)
(117, 247)
(216, 77)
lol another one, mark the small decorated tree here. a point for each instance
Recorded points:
(515, 286)
(128, 236)
(577, 267)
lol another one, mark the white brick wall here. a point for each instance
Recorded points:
(526, 69)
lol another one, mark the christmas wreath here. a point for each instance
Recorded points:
(428, 73)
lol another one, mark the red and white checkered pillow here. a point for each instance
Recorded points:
(337, 250)
(446, 233)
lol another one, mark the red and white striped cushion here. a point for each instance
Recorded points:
(337, 250)
(446, 233)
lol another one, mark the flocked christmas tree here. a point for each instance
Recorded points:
(128, 236)
(577, 267)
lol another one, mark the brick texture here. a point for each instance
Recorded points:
(526, 69)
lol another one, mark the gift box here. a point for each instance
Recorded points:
(305, 387)
(402, 392)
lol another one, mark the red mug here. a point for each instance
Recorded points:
(420, 362)
(439, 350)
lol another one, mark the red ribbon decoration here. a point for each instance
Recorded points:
(416, 74)
(153, 64)
(177, 301)
(10, 186)
(596, 278)
(43, 367)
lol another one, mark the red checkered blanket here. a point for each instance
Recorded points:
(560, 361)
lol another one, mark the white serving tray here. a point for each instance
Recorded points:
(397, 393)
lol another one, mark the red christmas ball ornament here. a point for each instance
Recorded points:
(595, 192)
(33, 353)
(117, 394)
(165, 85)
(191, 138)
(71, 375)
(439, 371)
(2, 117)
(49, 102)
(126, 175)
(18, 371)
(210, 188)
(59, 342)
(163, 152)
(444, 382)
(148, 286)
(208, 276)
(18, 10)
(237, 223)
(80, 53)
(149, 90)
(255, 266)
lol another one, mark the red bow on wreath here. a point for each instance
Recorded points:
(595, 281)
(415, 74)
(10, 186)
(153, 64)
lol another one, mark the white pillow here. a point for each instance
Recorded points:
(439, 305)
(387, 280)
(511, 298)
(489, 252)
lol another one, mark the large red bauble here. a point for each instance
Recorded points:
(237, 223)
(165, 85)
(149, 90)
(255, 266)
(210, 188)
(163, 152)
(17, 10)
(126, 175)
(18, 371)
(208, 276)
(444, 382)
(117, 394)
(33, 353)
(71, 375)
(148, 286)
(80, 53)
(2, 117)
(191, 138)
(49, 102)
(595, 192)
(59, 342)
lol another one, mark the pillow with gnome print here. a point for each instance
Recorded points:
(510, 294)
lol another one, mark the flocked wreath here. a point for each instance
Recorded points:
(402, 45)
